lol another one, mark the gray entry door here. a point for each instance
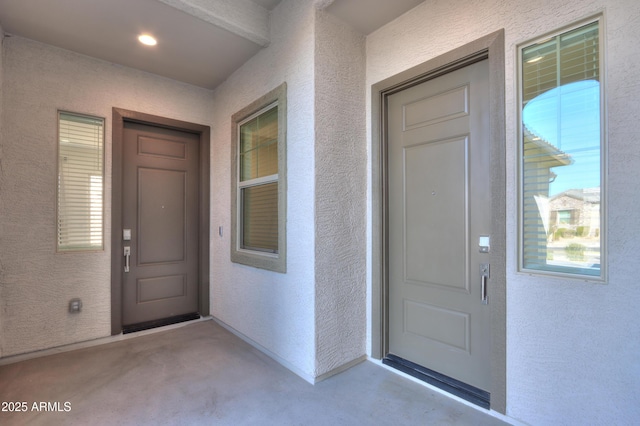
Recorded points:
(160, 208)
(439, 207)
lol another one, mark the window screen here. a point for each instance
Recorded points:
(561, 146)
(80, 182)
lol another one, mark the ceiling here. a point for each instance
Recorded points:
(200, 42)
(367, 16)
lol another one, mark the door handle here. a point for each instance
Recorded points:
(127, 255)
(484, 281)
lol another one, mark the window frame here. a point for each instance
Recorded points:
(257, 258)
(88, 248)
(568, 272)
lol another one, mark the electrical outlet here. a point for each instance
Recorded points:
(75, 306)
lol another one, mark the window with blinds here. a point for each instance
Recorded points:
(562, 148)
(258, 181)
(258, 173)
(80, 182)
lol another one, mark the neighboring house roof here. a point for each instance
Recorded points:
(587, 195)
(536, 147)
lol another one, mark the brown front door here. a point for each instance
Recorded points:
(439, 216)
(160, 208)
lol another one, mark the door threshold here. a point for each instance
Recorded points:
(126, 329)
(462, 390)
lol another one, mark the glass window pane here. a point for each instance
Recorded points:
(561, 153)
(258, 201)
(260, 218)
(259, 146)
(80, 182)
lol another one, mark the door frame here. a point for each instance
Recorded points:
(120, 116)
(489, 47)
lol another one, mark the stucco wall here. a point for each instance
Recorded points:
(37, 283)
(572, 346)
(274, 310)
(313, 317)
(340, 169)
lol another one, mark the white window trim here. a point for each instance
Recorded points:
(602, 278)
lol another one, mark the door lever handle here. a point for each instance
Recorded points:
(127, 255)
(484, 281)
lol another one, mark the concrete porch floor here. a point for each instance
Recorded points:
(203, 374)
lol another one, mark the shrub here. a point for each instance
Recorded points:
(564, 233)
(575, 251)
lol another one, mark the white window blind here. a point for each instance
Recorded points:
(561, 213)
(80, 182)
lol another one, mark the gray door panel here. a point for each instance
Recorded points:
(439, 205)
(160, 206)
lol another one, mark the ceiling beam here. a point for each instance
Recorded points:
(241, 17)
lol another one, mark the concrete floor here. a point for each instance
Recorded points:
(202, 374)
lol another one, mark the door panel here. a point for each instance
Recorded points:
(161, 222)
(427, 259)
(452, 330)
(439, 205)
(159, 288)
(160, 207)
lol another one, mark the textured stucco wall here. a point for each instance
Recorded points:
(572, 346)
(274, 310)
(37, 283)
(340, 180)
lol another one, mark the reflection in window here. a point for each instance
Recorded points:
(561, 153)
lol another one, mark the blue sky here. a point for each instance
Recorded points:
(568, 117)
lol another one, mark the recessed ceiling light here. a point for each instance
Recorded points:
(147, 39)
(534, 60)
